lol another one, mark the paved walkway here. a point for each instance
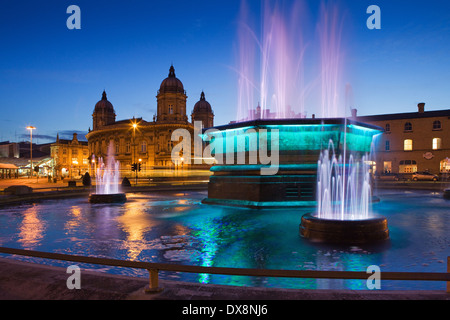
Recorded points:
(23, 280)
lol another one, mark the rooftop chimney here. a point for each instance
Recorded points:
(354, 112)
(421, 107)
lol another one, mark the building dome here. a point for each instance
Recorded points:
(104, 104)
(171, 84)
(202, 105)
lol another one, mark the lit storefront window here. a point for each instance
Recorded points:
(408, 166)
(445, 165)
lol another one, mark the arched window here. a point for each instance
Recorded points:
(407, 145)
(408, 126)
(445, 165)
(437, 143)
(437, 125)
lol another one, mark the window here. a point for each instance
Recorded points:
(128, 147)
(387, 128)
(437, 125)
(387, 145)
(387, 166)
(408, 126)
(170, 108)
(143, 146)
(436, 143)
(407, 145)
(445, 165)
(408, 166)
(116, 144)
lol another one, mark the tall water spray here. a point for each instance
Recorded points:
(107, 175)
(273, 62)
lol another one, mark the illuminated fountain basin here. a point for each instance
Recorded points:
(242, 152)
(107, 181)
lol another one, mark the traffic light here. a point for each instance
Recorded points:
(139, 167)
(134, 167)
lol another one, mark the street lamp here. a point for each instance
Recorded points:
(31, 128)
(134, 163)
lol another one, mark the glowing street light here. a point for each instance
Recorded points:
(31, 128)
(134, 163)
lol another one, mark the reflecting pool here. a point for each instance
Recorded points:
(174, 227)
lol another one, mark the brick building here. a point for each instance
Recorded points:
(413, 141)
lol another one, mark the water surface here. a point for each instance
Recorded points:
(175, 227)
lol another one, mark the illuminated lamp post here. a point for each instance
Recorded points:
(133, 160)
(31, 128)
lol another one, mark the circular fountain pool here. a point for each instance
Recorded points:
(178, 228)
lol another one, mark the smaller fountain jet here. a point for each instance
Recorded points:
(344, 198)
(107, 181)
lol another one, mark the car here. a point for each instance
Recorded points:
(388, 176)
(425, 175)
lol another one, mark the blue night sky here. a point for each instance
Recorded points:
(51, 77)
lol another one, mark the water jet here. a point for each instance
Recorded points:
(107, 181)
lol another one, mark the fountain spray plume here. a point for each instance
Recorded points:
(246, 65)
(280, 52)
(330, 35)
(107, 176)
(344, 188)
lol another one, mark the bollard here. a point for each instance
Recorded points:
(153, 285)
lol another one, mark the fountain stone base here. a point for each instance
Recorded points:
(107, 198)
(344, 231)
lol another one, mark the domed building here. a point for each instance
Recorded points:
(203, 112)
(147, 142)
(104, 113)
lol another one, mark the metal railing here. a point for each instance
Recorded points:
(153, 269)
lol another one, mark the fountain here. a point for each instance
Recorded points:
(344, 198)
(107, 181)
(339, 183)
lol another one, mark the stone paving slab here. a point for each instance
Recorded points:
(29, 281)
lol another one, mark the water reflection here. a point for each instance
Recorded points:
(74, 219)
(135, 223)
(32, 229)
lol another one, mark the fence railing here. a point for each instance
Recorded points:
(153, 269)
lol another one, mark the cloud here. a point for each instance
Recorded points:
(68, 134)
(37, 136)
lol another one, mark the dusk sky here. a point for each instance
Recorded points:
(52, 77)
